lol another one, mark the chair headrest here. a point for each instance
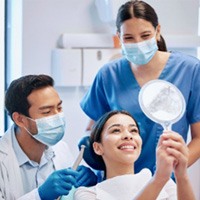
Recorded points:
(89, 155)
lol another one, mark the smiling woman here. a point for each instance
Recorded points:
(117, 144)
(116, 139)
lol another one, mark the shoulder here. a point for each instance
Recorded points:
(183, 57)
(85, 193)
(6, 141)
(114, 65)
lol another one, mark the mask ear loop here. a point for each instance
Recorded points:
(156, 32)
(26, 128)
(28, 131)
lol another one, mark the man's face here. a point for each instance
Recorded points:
(44, 102)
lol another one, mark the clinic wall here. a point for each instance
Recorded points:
(45, 20)
(43, 23)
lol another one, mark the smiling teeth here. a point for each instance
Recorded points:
(127, 147)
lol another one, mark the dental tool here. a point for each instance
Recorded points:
(76, 162)
(79, 158)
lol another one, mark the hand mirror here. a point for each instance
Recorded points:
(162, 102)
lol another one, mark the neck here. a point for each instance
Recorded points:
(118, 170)
(151, 70)
(31, 147)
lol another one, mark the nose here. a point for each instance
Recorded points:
(138, 39)
(55, 111)
(127, 136)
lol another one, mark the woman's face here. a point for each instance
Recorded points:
(137, 30)
(120, 141)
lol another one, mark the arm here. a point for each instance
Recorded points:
(194, 150)
(164, 167)
(90, 124)
(151, 190)
(179, 150)
(172, 154)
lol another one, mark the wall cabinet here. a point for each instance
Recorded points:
(66, 67)
(78, 67)
(93, 60)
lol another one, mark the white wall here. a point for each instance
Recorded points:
(45, 20)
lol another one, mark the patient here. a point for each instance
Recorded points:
(117, 143)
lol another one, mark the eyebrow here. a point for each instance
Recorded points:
(118, 125)
(131, 35)
(47, 107)
(146, 32)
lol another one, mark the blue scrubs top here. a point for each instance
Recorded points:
(115, 88)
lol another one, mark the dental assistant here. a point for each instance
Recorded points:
(145, 57)
(34, 161)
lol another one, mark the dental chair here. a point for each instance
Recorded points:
(89, 155)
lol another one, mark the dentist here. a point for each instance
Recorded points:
(34, 162)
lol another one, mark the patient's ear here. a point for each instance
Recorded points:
(98, 148)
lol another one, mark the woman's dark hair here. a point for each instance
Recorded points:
(141, 10)
(97, 129)
(19, 89)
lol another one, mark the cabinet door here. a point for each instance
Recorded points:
(66, 67)
(94, 59)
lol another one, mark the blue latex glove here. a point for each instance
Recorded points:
(85, 177)
(57, 184)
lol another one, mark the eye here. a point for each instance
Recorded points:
(134, 130)
(116, 130)
(46, 112)
(146, 36)
(60, 108)
(128, 38)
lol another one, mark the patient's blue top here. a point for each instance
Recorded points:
(115, 88)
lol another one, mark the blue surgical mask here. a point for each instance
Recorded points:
(50, 129)
(140, 53)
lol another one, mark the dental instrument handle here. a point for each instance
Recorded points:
(79, 158)
(77, 161)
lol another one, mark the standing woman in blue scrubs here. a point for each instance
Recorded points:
(145, 57)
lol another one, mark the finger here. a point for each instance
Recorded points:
(178, 155)
(178, 146)
(161, 139)
(64, 189)
(82, 181)
(173, 136)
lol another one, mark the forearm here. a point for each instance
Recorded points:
(194, 151)
(151, 190)
(184, 189)
(89, 125)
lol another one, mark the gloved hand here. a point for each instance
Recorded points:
(57, 184)
(85, 177)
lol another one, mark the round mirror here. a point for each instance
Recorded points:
(162, 102)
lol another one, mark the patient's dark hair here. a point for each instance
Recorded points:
(141, 10)
(19, 89)
(97, 129)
